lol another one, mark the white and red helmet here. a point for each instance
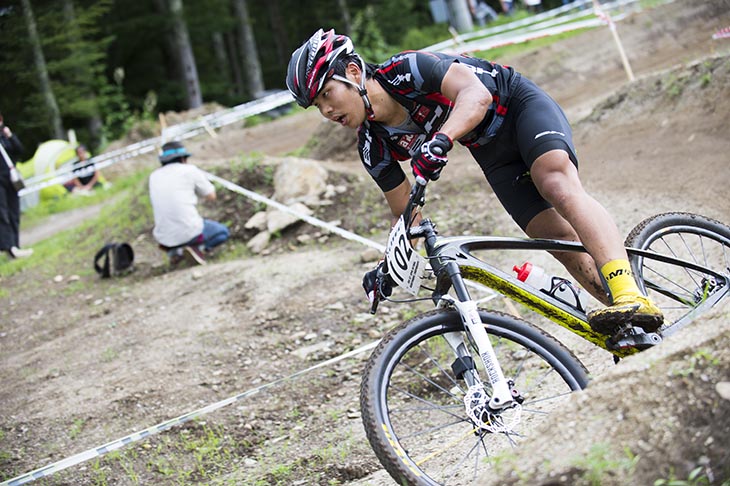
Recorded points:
(313, 64)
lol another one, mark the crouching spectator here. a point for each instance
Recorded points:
(174, 191)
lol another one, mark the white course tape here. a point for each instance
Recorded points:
(545, 24)
(348, 235)
(281, 207)
(515, 25)
(500, 41)
(176, 132)
(137, 436)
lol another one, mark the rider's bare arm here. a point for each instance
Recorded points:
(471, 100)
(397, 200)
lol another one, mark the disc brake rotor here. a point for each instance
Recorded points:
(503, 421)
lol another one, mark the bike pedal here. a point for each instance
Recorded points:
(635, 337)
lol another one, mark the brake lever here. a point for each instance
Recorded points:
(376, 294)
(374, 305)
(418, 191)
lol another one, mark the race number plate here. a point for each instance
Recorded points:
(405, 265)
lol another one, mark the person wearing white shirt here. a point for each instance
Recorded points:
(174, 191)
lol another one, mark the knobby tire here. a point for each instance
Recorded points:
(412, 404)
(690, 237)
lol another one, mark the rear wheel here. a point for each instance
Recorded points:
(679, 291)
(413, 405)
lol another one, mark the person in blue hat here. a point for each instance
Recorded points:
(174, 191)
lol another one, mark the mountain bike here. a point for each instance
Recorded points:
(446, 391)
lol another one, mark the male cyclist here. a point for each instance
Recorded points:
(416, 104)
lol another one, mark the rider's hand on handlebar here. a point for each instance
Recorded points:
(376, 283)
(432, 157)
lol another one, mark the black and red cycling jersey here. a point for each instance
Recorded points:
(413, 79)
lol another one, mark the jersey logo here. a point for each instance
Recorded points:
(399, 79)
(366, 149)
(396, 59)
(436, 114)
(549, 132)
(406, 141)
(421, 114)
(478, 70)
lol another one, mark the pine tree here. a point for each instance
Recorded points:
(41, 70)
(248, 51)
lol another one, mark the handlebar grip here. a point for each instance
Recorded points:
(374, 305)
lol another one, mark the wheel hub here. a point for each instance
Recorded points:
(476, 401)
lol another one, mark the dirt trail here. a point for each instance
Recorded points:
(91, 361)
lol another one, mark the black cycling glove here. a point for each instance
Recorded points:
(376, 283)
(432, 157)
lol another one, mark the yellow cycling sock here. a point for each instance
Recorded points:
(620, 279)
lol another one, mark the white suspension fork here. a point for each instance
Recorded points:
(502, 395)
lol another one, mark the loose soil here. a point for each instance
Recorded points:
(86, 361)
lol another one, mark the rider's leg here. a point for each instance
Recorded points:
(550, 224)
(557, 180)
(537, 137)
(556, 177)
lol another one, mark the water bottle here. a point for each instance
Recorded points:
(562, 289)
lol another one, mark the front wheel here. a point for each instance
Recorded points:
(679, 291)
(413, 405)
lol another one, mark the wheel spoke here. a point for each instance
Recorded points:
(418, 412)
(678, 290)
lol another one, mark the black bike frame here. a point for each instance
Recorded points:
(452, 260)
(458, 250)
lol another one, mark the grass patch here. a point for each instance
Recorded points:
(600, 464)
(129, 216)
(506, 52)
(38, 214)
(698, 361)
(76, 428)
(697, 477)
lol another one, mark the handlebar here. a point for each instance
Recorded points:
(417, 198)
